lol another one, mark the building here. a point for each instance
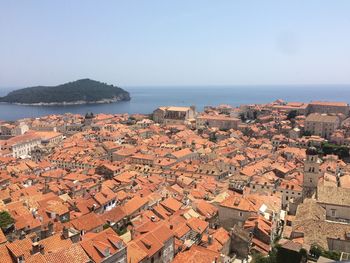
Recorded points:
(50, 137)
(217, 121)
(311, 172)
(299, 107)
(143, 159)
(328, 107)
(21, 146)
(241, 241)
(8, 129)
(156, 245)
(322, 125)
(235, 210)
(311, 226)
(105, 247)
(174, 115)
(336, 202)
(289, 190)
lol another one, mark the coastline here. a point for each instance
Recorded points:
(69, 103)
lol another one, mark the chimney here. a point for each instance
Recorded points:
(171, 227)
(132, 233)
(22, 235)
(210, 239)
(65, 233)
(36, 248)
(50, 228)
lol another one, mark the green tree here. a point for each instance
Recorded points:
(303, 254)
(340, 150)
(5, 220)
(316, 251)
(307, 133)
(335, 255)
(80, 90)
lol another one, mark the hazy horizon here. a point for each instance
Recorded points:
(182, 43)
(297, 85)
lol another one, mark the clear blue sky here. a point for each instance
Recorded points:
(175, 42)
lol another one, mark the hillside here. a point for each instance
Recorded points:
(76, 92)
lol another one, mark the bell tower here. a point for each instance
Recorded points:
(311, 172)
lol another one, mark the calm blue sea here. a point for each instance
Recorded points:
(146, 99)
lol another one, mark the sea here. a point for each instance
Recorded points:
(146, 99)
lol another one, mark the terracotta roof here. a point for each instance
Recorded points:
(115, 215)
(100, 246)
(316, 117)
(206, 209)
(197, 225)
(87, 222)
(3, 238)
(55, 243)
(20, 247)
(242, 203)
(182, 153)
(171, 204)
(134, 204)
(72, 254)
(329, 103)
(135, 253)
(197, 254)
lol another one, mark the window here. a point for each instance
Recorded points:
(333, 212)
(240, 214)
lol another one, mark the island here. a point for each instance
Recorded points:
(82, 91)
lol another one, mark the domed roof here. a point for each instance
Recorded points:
(89, 115)
(311, 151)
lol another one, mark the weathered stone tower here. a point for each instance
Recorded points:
(311, 172)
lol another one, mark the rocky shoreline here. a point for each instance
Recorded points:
(69, 103)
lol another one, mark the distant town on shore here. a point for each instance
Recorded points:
(253, 183)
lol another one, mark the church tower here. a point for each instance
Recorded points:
(311, 172)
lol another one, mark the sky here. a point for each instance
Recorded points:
(179, 42)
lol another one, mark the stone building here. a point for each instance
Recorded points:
(336, 202)
(322, 125)
(174, 115)
(22, 145)
(218, 121)
(328, 107)
(311, 172)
